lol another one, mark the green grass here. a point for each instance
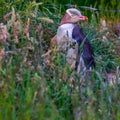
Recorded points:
(31, 89)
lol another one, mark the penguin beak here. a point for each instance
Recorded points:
(85, 18)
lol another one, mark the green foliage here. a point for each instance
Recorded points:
(32, 89)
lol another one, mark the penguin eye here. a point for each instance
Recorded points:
(72, 15)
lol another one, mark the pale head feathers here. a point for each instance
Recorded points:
(74, 11)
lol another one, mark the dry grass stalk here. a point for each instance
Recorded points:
(46, 19)
(26, 29)
(7, 16)
(3, 33)
(13, 17)
(15, 26)
(39, 30)
(53, 41)
(2, 53)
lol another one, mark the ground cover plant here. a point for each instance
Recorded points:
(36, 86)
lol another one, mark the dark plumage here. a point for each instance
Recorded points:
(87, 51)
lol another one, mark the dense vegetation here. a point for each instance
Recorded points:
(36, 86)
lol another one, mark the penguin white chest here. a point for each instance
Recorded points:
(64, 30)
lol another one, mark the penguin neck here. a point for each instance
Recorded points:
(67, 29)
(67, 26)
